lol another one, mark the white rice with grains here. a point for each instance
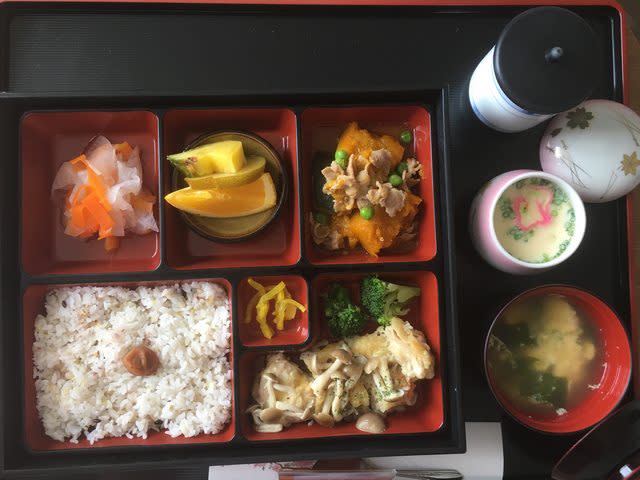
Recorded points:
(82, 386)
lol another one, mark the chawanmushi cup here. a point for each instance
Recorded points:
(483, 233)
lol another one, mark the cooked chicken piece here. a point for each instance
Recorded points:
(409, 234)
(381, 161)
(283, 395)
(409, 349)
(318, 231)
(331, 172)
(334, 236)
(391, 199)
(346, 186)
(397, 356)
(412, 175)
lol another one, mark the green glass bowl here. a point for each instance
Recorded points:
(237, 228)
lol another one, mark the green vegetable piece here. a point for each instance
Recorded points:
(406, 136)
(395, 180)
(342, 162)
(515, 335)
(321, 218)
(401, 168)
(321, 201)
(541, 387)
(348, 322)
(341, 158)
(344, 318)
(366, 213)
(384, 300)
(341, 155)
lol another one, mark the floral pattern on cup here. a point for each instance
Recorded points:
(595, 148)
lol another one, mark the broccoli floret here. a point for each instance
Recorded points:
(348, 322)
(384, 300)
(345, 319)
(337, 300)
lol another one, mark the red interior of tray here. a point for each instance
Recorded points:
(427, 415)
(278, 244)
(320, 130)
(295, 332)
(49, 139)
(33, 305)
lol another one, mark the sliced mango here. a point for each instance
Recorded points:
(219, 157)
(238, 201)
(252, 170)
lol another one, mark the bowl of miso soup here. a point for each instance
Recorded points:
(557, 359)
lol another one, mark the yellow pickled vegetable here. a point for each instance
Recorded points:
(297, 305)
(256, 285)
(250, 306)
(285, 308)
(279, 311)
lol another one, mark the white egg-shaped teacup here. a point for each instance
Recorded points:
(526, 221)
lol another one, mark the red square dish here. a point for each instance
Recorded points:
(321, 128)
(427, 415)
(33, 302)
(279, 243)
(49, 139)
(296, 331)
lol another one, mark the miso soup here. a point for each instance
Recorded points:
(544, 356)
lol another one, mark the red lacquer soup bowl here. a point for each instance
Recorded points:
(611, 365)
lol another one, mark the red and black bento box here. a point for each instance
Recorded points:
(161, 74)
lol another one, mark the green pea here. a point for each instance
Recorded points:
(341, 155)
(406, 136)
(395, 180)
(342, 162)
(321, 218)
(366, 213)
(402, 167)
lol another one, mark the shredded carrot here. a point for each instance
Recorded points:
(99, 188)
(79, 163)
(82, 158)
(123, 149)
(111, 243)
(98, 212)
(77, 218)
(75, 197)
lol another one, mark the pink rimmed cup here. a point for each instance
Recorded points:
(483, 233)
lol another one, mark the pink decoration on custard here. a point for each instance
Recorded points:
(543, 209)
